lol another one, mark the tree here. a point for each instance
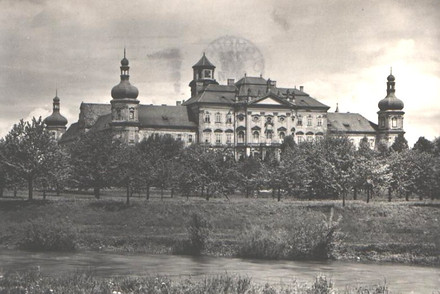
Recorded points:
(424, 145)
(400, 143)
(91, 161)
(29, 151)
(248, 170)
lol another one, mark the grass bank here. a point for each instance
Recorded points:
(85, 282)
(258, 228)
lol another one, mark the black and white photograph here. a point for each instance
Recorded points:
(234, 147)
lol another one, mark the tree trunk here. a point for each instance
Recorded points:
(161, 193)
(30, 188)
(172, 192)
(343, 199)
(207, 194)
(202, 190)
(355, 193)
(96, 192)
(2, 189)
(127, 202)
(15, 191)
(58, 190)
(273, 193)
(148, 192)
(279, 195)
(420, 197)
(389, 195)
(368, 194)
(247, 192)
(44, 193)
(407, 196)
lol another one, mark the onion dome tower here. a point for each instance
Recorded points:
(56, 123)
(390, 114)
(203, 75)
(125, 106)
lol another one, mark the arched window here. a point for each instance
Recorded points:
(218, 138)
(207, 117)
(282, 135)
(241, 137)
(394, 122)
(131, 113)
(256, 136)
(207, 136)
(218, 117)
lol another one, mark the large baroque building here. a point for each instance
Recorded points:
(251, 115)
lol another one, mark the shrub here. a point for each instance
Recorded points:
(47, 235)
(198, 230)
(309, 237)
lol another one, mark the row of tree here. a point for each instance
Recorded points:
(330, 168)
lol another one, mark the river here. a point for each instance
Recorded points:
(400, 278)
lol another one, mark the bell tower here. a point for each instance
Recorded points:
(56, 123)
(203, 75)
(390, 115)
(125, 107)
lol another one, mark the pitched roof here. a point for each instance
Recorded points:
(273, 96)
(349, 123)
(165, 116)
(90, 112)
(219, 94)
(204, 62)
(73, 132)
(251, 81)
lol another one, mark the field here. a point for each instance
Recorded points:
(378, 231)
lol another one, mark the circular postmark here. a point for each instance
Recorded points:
(235, 56)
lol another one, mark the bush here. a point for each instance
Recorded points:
(48, 235)
(309, 237)
(198, 230)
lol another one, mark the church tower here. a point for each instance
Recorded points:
(203, 75)
(56, 123)
(390, 114)
(125, 107)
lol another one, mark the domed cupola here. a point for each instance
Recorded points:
(391, 102)
(56, 119)
(124, 89)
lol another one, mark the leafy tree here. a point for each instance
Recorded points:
(293, 171)
(91, 161)
(400, 143)
(29, 151)
(424, 145)
(249, 170)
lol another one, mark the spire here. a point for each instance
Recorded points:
(337, 107)
(124, 89)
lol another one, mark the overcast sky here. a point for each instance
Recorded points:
(340, 51)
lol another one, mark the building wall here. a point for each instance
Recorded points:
(187, 136)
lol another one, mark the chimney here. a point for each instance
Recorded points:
(231, 82)
(301, 88)
(178, 103)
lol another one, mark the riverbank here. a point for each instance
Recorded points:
(404, 232)
(86, 282)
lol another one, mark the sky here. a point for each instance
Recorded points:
(340, 51)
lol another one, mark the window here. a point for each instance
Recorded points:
(218, 117)
(281, 118)
(207, 117)
(131, 137)
(371, 143)
(118, 114)
(207, 137)
(256, 136)
(309, 121)
(269, 119)
(179, 137)
(218, 138)
(228, 138)
(319, 121)
(299, 121)
(282, 135)
(131, 113)
(190, 138)
(229, 118)
(300, 138)
(240, 117)
(208, 73)
(382, 122)
(256, 118)
(269, 135)
(241, 137)
(394, 122)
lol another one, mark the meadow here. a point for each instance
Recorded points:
(245, 227)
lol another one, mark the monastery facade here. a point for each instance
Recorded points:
(250, 115)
